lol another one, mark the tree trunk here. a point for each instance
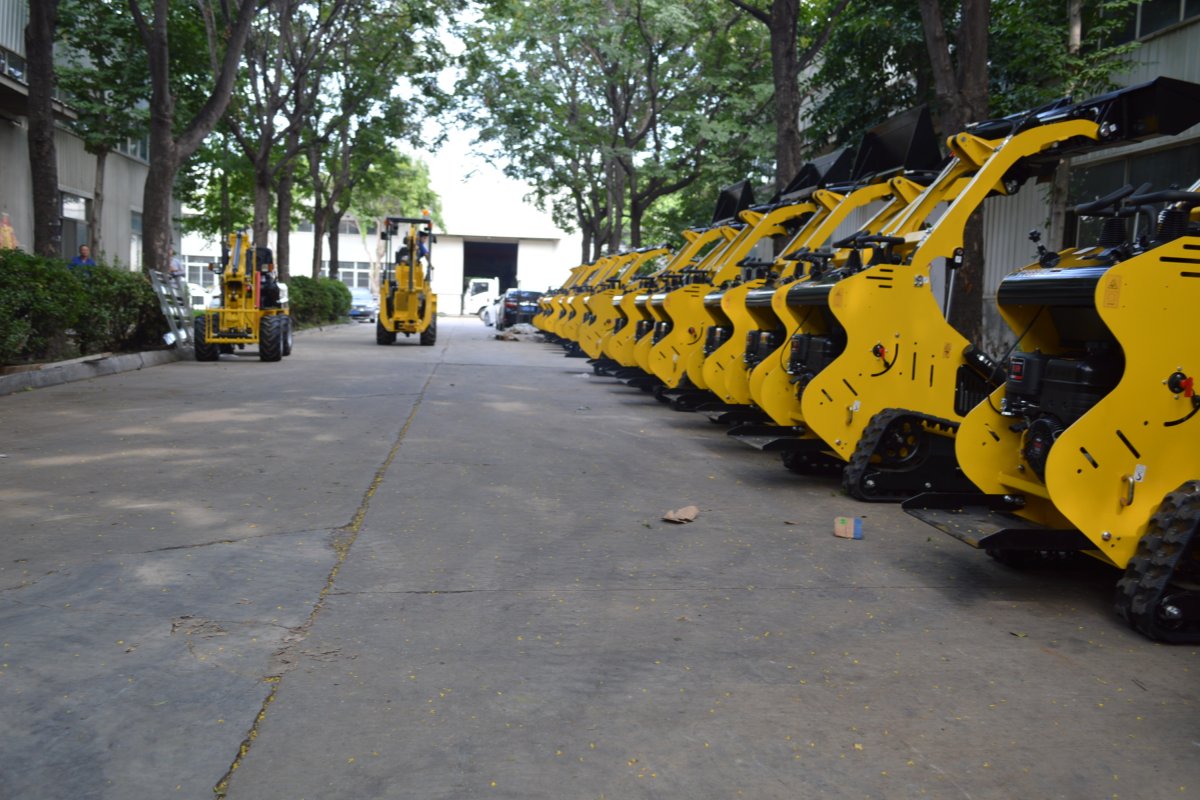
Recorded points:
(262, 203)
(335, 222)
(962, 93)
(616, 206)
(785, 73)
(167, 153)
(1056, 235)
(43, 157)
(95, 229)
(283, 232)
(320, 224)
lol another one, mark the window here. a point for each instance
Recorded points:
(198, 271)
(136, 148)
(12, 65)
(74, 224)
(1162, 169)
(135, 240)
(1151, 16)
(348, 226)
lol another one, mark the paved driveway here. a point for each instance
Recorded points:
(426, 573)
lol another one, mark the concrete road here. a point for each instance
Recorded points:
(441, 573)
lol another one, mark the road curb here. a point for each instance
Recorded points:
(54, 375)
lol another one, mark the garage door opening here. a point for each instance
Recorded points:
(490, 260)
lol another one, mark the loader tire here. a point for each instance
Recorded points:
(205, 350)
(270, 337)
(383, 335)
(429, 335)
(288, 336)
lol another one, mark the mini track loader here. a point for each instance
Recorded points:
(892, 379)
(253, 308)
(1090, 443)
(407, 303)
(905, 148)
(602, 314)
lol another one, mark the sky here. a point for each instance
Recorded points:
(477, 198)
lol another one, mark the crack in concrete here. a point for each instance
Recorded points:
(215, 542)
(343, 541)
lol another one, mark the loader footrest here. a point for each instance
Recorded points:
(642, 381)
(769, 438)
(727, 414)
(986, 522)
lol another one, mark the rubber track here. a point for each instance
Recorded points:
(860, 461)
(1159, 557)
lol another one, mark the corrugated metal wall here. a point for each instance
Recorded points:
(1008, 220)
(13, 16)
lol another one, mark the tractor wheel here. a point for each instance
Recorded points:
(429, 335)
(270, 337)
(204, 350)
(383, 335)
(288, 336)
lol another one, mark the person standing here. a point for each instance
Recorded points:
(84, 259)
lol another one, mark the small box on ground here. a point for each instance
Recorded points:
(847, 527)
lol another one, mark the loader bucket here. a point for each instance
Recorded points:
(831, 168)
(733, 200)
(1161, 107)
(905, 142)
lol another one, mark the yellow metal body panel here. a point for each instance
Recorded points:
(546, 307)
(725, 369)
(681, 351)
(576, 305)
(771, 387)
(413, 305)
(1107, 473)
(619, 345)
(655, 301)
(892, 307)
(601, 310)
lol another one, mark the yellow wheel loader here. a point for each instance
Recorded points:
(253, 308)
(571, 326)
(407, 303)
(547, 304)
(1090, 444)
(677, 359)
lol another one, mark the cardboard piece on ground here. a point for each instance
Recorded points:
(847, 527)
(681, 515)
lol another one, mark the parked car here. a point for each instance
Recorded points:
(513, 307)
(363, 305)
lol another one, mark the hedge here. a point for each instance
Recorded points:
(50, 311)
(313, 302)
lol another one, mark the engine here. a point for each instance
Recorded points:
(1052, 392)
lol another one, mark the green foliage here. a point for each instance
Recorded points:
(397, 185)
(315, 302)
(604, 107)
(105, 72)
(1036, 64)
(876, 62)
(50, 311)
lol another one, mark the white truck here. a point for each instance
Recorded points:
(481, 294)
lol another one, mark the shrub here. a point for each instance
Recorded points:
(121, 311)
(314, 302)
(43, 303)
